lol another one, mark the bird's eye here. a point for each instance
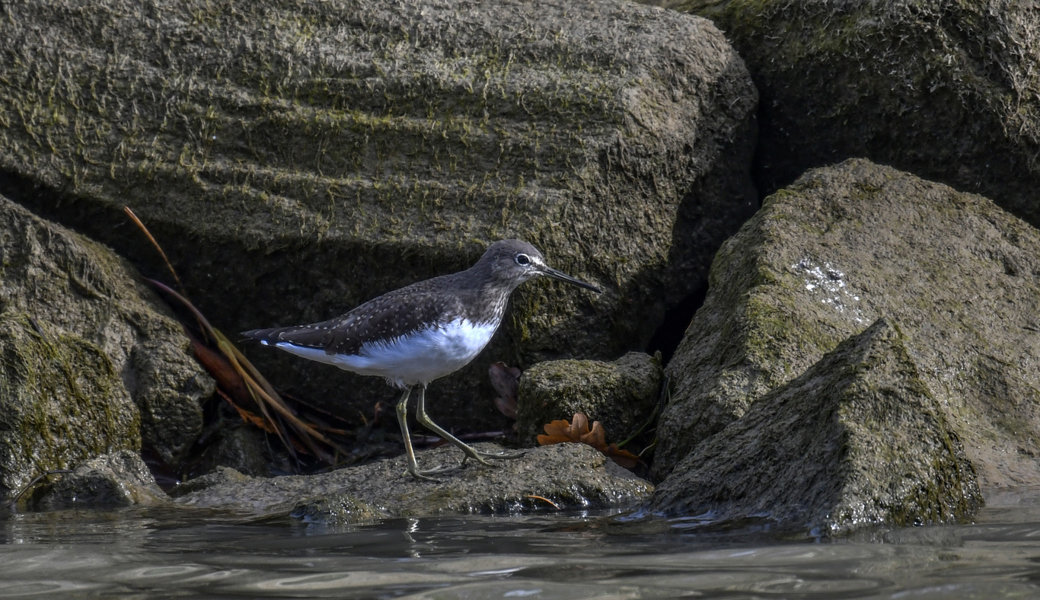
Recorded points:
(523, 260)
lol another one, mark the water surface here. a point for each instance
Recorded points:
(142, 553)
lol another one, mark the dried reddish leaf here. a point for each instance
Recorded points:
(246, 415)
(577, 431)
(622, 457)
(597, 438)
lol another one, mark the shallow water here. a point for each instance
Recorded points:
(137, 553)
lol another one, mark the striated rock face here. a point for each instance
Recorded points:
(946, 90)
(620, 394)
(571, 475)
(91, 361)
(856, 440)
(296, 159)
(834, 252)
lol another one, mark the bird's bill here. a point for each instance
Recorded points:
(550, 272)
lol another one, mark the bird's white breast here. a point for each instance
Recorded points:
(415, 358)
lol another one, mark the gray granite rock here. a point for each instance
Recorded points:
(856, 440)
(840, 248)
(294, 171)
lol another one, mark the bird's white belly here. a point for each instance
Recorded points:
(416, 358)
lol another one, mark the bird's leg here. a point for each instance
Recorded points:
(469, 451)
(413, 465)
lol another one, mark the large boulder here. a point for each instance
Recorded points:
(842, 247)
(296, 160)
(856, 440)
(944, 89)
(92, 360)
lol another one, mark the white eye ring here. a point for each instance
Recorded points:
(523, 260)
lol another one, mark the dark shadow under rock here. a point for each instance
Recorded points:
(856, 440)
(571, 475)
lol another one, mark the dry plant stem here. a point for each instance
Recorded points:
(544, 499)
(265, 394)
(158, 248)
(140, 225)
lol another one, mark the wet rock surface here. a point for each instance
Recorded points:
(91, 361)
(621, 394)
(294, 171)
(841, 248)
(108, 481)
(571, 475)
(858, 436)
(943, 89)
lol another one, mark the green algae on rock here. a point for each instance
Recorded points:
(835, 251)
(857, 437)
(79, 297)
(945, 89)
(298, 158)
(61, 401)
(620, 394)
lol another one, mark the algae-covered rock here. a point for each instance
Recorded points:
(571, 475)
(620, 394)
(832, 253)
(298, 159)
(113, 480)
(61, 401)
(944, 89)
(70, 288)
(856, 440)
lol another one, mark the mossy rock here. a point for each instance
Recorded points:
(840, 248)
(620, 394)
(857, 440)
(298, 159)
(78, 289)
(945, 89)
(61, 402)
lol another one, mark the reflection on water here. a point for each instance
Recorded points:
(157, 554)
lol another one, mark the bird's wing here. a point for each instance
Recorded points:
(390, 315)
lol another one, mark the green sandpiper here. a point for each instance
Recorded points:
(421, 332)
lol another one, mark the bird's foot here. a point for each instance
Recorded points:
(479, 456)
(502, 455)
(424, 475)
